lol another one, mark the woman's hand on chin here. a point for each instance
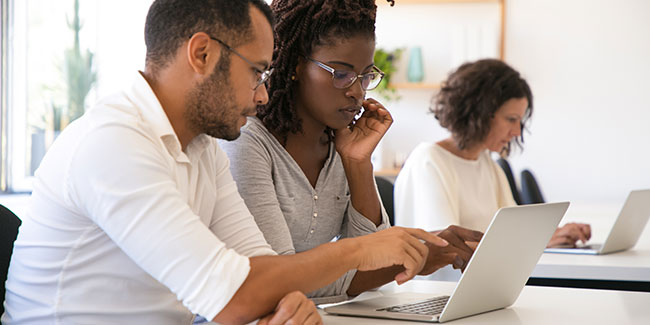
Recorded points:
(358, 141)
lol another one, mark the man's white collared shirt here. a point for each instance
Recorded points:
(125, 227)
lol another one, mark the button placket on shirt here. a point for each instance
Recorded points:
(312, 227)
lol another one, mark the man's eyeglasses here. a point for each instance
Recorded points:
(342, 79)
(263, 75)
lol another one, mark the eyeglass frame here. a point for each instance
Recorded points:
(264, 74)
(332, 70)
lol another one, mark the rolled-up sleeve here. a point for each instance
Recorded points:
(358, 225)
(335, 291)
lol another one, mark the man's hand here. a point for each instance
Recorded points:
(569, 234)
(462, 243)
(294, 308)
(396, 246)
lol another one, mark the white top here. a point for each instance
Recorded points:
(124, 227)
(436, 188)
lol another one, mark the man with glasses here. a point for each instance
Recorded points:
(134, 215)
(262, 75)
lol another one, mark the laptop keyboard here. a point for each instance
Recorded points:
(433, 306)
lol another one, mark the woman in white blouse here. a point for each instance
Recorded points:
(485, 105)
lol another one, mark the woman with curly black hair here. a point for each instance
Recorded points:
(303, 164)
(485, 105)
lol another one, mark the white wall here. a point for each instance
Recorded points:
(588, 63)
(448, 35)
(121, 29)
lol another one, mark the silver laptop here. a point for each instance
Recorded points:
(493, 279)
(626, 231)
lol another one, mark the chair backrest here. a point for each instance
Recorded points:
(530, 192)
(511, 179)
(9, 224)
(386, 194)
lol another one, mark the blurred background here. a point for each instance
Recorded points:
(587, 62)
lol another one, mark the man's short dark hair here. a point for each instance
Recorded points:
(171, 22)
(471, 96)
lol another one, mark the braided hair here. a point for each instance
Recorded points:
(302, 25)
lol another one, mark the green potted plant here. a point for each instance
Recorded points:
(386, 61)
(79, 77)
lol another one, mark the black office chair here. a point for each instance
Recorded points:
(9, 224)
(386, 194)
(530, 192)
(511, 179)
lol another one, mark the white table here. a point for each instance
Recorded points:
(535, 305)
(632, 265)
(628, 270)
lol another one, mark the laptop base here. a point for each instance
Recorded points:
(492, 279)
(369, 307)
(593, 249)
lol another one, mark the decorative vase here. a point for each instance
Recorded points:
(415, 71)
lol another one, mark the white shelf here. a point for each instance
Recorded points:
(399, 2)
(415, 85)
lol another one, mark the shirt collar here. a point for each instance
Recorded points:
(153, 113)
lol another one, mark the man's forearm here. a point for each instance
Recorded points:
(366, 280)
(272, 277)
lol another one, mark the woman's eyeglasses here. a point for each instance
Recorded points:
(342, 79)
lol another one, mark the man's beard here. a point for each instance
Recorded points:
(211, 106)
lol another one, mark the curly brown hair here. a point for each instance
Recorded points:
(301, 26)
(472, 94)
